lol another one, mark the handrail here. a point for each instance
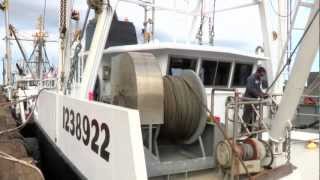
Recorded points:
(212, 95)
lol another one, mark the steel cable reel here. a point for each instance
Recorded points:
(136, 82)
(184, 116)
(249, 149)
(176, 102)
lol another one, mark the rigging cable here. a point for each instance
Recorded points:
(33, 51)
(199, 34)
(12, 30)
(293, 52)
(5, 104)
(275, 11)
(289, 33)
(46, 57)
(29, 117)
(212, 30)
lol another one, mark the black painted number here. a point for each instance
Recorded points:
(72, 122)
(80, 126)
(65, 118)
(103, 152)
(94, 145)
(86, 130)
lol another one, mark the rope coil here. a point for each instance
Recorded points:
(182, 114)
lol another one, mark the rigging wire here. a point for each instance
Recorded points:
(29, 117)
(12, 30)
(212, 30)
(289, 37)
(200, 33)
(275, 11)
(33, 51)
(294, 51)
(46, 57)
(5, 104)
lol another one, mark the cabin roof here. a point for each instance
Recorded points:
(187, 50)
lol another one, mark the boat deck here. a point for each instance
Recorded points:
(306, 161)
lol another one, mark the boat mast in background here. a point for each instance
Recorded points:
(38, 62)
(7, 60)
(39, 42)
(8, 47)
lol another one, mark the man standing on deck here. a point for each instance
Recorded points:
(253, 90)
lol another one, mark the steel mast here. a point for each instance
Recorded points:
(8, 78)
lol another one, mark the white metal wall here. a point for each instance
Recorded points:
(111, 146)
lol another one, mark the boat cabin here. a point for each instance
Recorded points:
(218, 68)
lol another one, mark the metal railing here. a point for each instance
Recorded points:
(255, 109)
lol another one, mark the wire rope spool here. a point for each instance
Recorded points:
(175, 102)
(224, 153)
(184, 114)
(249, 149)
(136, 82)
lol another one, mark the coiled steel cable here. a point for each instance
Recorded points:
(182, 114)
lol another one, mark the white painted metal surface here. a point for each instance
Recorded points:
(119, 141)
(201, 51)
(306, 161)
(47, 113)
(267, 41)
(220, 98)
(299, 74)
(119, 119)
(99, 39)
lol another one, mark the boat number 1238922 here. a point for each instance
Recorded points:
(83, 128)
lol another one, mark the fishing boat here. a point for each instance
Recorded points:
(152, 110)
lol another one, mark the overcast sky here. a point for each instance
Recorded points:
(239, 29)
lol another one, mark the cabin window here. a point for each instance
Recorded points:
(223, 74)
(215, 73)
(178, 64)
(241, 73)
(207, 72)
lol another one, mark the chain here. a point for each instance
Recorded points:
(288, 145)
(199, 34)
(63, 10)
(212, 25)
(75, 58)
(74, 63)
